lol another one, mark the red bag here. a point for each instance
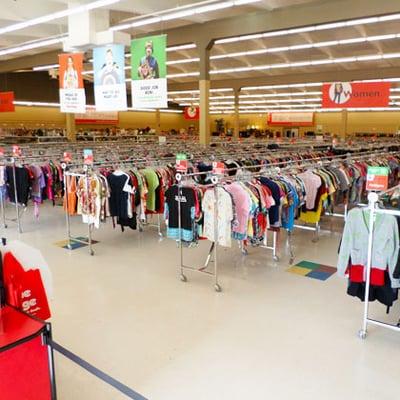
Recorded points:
(24, 289)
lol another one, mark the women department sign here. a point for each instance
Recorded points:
(149, 72)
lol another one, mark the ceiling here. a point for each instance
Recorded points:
(265, 57)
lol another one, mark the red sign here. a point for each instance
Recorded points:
(218, 168)
(1, 152)
(181, 165)
(377, 178)
(97, 118)
(67, 157)
(355, 95)
(88, 156)
(192, 113)
(291, 119)
(16, 150)
(7, 102)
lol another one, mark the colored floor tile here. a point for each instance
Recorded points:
(307, 264)
(74, 244)
(321, 276)
(326, 268)
(299, 270)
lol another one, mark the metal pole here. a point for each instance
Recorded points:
(3, 209)
(88, 209)
(183, 277)
(217, 287)
(16, 196)
(372, 199)
(50, 356)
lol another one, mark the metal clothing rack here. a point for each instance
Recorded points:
(214, 245)
(373, 199)
(71, 238)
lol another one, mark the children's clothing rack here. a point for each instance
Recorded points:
(373, 199)
(214, 245)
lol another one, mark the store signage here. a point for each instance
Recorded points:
(16, 151)
(1, 152)
(181, 162)
(72, 90)
(97, 118)
(162, 139)
(192, 113)
(377, 178)
(7, 102)
(218, 168)
(109, 78)
(67, 157)
(355, 95)
(291, 119)
(88, 157)
(149, 72)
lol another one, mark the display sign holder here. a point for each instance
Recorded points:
(377, 178)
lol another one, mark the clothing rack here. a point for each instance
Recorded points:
(214, 245)
(373, 199)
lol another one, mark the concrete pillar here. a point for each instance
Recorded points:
(204, 87)
(344, 123)
(71, 127)
(236, 116)
(158, 121)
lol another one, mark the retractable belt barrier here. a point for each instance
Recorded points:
(96, 372)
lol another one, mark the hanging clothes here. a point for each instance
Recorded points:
(22, 184)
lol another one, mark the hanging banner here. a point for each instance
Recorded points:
(291, 119)
(88, 158)
(72, 91)
(149, 72)
(7, 102)
(109, 78)
(192, 113)
(355, 95)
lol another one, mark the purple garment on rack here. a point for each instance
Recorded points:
(38, 183)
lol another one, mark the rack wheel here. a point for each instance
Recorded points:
(91, 252)
(362, 334)
(69, 246)
(245, 252)
(140, 228)
(315, 240)
(276, 258)
(161, 235)
(5, 226)
(217, 288)
(183, 278)
(291, 261)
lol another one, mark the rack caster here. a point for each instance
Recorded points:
(91, 252)
(217, 288)
(315, 240)
(291, 261)
(362, 334)
(183, 278)
(245, 252)
(275, 258)
(140, 228)
(69, 247)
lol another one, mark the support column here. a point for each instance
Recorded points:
(344, 123)
(71, 127)
(236, 116)
(158, 121)
(204, 87)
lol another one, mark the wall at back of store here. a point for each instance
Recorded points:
(379, 122)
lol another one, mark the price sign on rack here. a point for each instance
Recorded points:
(16, 150)
(377, 178)
(67, 157)
(218, 168)
(88, 157)
(181, 162)
(1, 152)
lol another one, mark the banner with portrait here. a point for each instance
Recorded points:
(109, 78)
(72, 90)
(149, 72)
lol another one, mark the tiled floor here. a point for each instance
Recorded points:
(269, 335)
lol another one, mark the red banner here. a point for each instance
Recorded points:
(192, 113)
(291, 119)
(97, 118)
(7, 102)
(355, 95)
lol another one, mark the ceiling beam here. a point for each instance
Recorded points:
(329, 76)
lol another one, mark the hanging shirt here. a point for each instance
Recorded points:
(312, 182)
(152, 184)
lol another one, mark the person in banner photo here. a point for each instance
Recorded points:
(110, 72)
(70, 79)
(338, 93)
(148, 68)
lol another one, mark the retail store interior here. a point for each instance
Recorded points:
(197, 199)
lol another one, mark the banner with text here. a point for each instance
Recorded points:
(109, 78)
(72, 91)
(7, 102)
(291, 119)
(149, 72)
(97, 118)
(355, 95)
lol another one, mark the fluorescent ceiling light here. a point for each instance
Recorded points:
(57, 15)
(183, 75)
(183, 61)
(290, 94)
(32, 45)
(45, 67)
(181, 12)
(280, 101)
(181, 47)
(35, 104)
(304, 46)
(332, 25)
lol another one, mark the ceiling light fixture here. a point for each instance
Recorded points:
(45, 67)
(181, 12)
(57, 15)
(32, 45)
(320, 27)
